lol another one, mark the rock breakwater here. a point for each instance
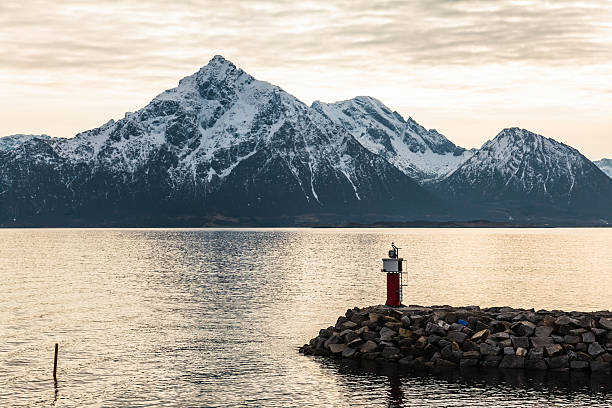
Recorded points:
(450, 337)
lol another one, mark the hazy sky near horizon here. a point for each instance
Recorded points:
(465, 67)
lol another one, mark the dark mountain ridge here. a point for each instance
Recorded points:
(223, 148)
(221, 143)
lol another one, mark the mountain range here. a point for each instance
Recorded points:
(225, 148)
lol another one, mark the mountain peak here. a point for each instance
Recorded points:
(219, 60)
(515, 137)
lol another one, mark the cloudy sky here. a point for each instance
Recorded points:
(465, 67)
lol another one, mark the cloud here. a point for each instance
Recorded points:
(129, 34)
(419, 55)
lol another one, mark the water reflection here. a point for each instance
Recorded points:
(214, 317)
(494, 387)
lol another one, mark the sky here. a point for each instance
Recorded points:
(467, 68)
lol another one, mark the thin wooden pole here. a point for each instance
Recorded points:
(55, 364)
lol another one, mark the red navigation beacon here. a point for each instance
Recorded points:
(393, 268)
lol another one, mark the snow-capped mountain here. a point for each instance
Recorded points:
(605, 165)
(521, 169)
(422, 154)
(221, 142)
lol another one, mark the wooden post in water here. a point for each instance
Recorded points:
(55, 364)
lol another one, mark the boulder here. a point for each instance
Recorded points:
(553, 349)
(390, 352)
(481, 335)
(541, 341)
(386, 334)
(581, 347)
(445, 364)
(355, 343)
(498, 326)
(370, 324)
(349, 352)
(500, 336)
(555, 362)
(337, 348)
(488, 350)
(468, 362)
(443, 325)
(508, 351)
(512, 361)
(389, 319)
(579, 365)
(491, 363)
(525, 328)
(543, 331)
(471, 354)
(433, 328)
(448, 353)
(406, 321)
(595, 349)
(535, 354)
(535, 365)
(569, 339)
(334, 339)
(606, 323)
(325, 333)
(548, 321)
(339, 322)
(480, 326)
(520, 342)
(395, 326)
(588, 337)
(522, 352)
(443, 343)
(417, 320)
(585, 322)
(457, 336)
(405, 332)
(368, 347)
(469, 346)
(565, 320)
(370, 335)
(349, 335)
(600, 333)
(605, 357)
(406, 360)
(456, 327)
(348, 325)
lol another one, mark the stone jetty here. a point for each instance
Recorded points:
(444, 337)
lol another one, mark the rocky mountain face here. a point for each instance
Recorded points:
(520, 174)
(605, 165)
(225, 146)
(422, 154)
(220, 143)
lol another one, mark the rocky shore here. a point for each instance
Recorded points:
(450, 337)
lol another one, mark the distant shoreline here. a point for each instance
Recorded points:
(227, 224)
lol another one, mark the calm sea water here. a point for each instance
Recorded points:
(214, 317)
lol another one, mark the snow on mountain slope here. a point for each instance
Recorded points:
(520, 165)
(605, 165)
(13, 141)
(220, 142)
(423, 154)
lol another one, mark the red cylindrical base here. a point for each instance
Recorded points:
(393, 289)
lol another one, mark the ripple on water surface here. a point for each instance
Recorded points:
(214, 317)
